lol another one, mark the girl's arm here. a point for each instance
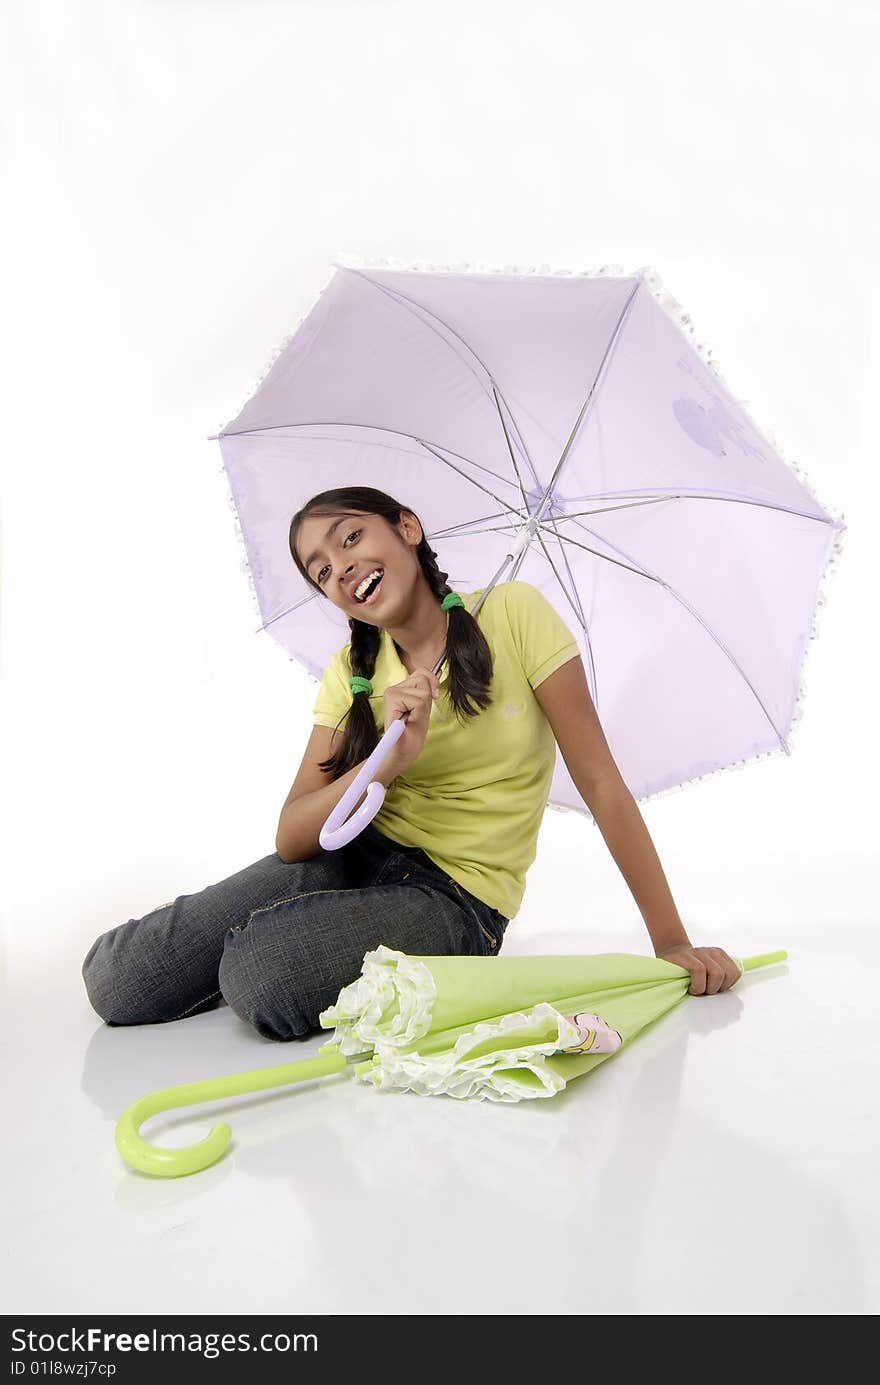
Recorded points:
(565, 700)
(313, 796)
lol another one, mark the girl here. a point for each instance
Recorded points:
(441, 868)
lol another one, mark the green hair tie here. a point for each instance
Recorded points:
(360, 685)
(450, 599)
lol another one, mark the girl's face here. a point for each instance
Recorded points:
(340, 551)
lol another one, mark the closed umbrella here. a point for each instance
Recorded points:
(488, 1028)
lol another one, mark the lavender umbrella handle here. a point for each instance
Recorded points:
(336, 830)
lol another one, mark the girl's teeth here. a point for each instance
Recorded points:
(370, 580)
(374, 592)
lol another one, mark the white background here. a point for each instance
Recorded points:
(177, 179)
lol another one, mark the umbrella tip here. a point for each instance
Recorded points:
(764, 959)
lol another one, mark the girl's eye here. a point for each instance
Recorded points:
(355, 533)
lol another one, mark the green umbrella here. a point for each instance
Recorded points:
(491, 1028)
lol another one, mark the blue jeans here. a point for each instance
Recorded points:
(278, 942)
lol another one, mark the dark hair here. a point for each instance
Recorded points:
(468, 654)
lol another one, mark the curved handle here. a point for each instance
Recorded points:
(172, 1163)
(336, 830)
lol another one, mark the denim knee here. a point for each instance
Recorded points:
(256, 993)
(96, 977)
(123, 990)
(110, 994)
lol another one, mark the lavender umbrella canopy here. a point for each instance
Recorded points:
(564, 430)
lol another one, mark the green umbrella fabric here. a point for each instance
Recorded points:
(498, 1028)
(488, 1028)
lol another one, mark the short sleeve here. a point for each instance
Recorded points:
(334, 694)
(541, 637)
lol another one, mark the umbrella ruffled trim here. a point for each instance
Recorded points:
(389, 1006)
(487, 1077)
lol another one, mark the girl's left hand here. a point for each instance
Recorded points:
(710, 967)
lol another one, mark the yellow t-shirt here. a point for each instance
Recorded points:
(474, 797)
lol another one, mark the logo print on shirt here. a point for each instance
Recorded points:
(514, 709)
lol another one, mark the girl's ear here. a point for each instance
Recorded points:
(412, 530)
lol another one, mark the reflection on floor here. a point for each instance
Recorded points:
(725, 1162)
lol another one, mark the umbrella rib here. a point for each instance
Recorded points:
(499, 400)
(695, 613)
(597, 380)
(411, 306)
(577, 596)
(461, 531)
(594, 691)
(485, 489)
(609, 509)
(373, 427)
(510, 450)
(692, 495)
(330, 437)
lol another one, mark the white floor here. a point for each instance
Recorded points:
(725, 1163)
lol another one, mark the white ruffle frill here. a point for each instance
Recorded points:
(390, 1006)
(488, 1077)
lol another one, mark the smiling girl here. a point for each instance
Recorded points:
(441, 867)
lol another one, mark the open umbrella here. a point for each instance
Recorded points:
(568, 430)
(489, 1028)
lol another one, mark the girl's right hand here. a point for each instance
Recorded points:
(412, 699)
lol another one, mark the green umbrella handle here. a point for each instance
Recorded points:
(172, 1163)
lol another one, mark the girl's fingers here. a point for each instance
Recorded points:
(698, 977)
(714, 978)
(714, 971)
(728, 968)
(731, 970)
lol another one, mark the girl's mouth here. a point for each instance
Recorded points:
(372, 592)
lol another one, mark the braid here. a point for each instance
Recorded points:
(361, 734)
(365, 641)
(468, 654)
